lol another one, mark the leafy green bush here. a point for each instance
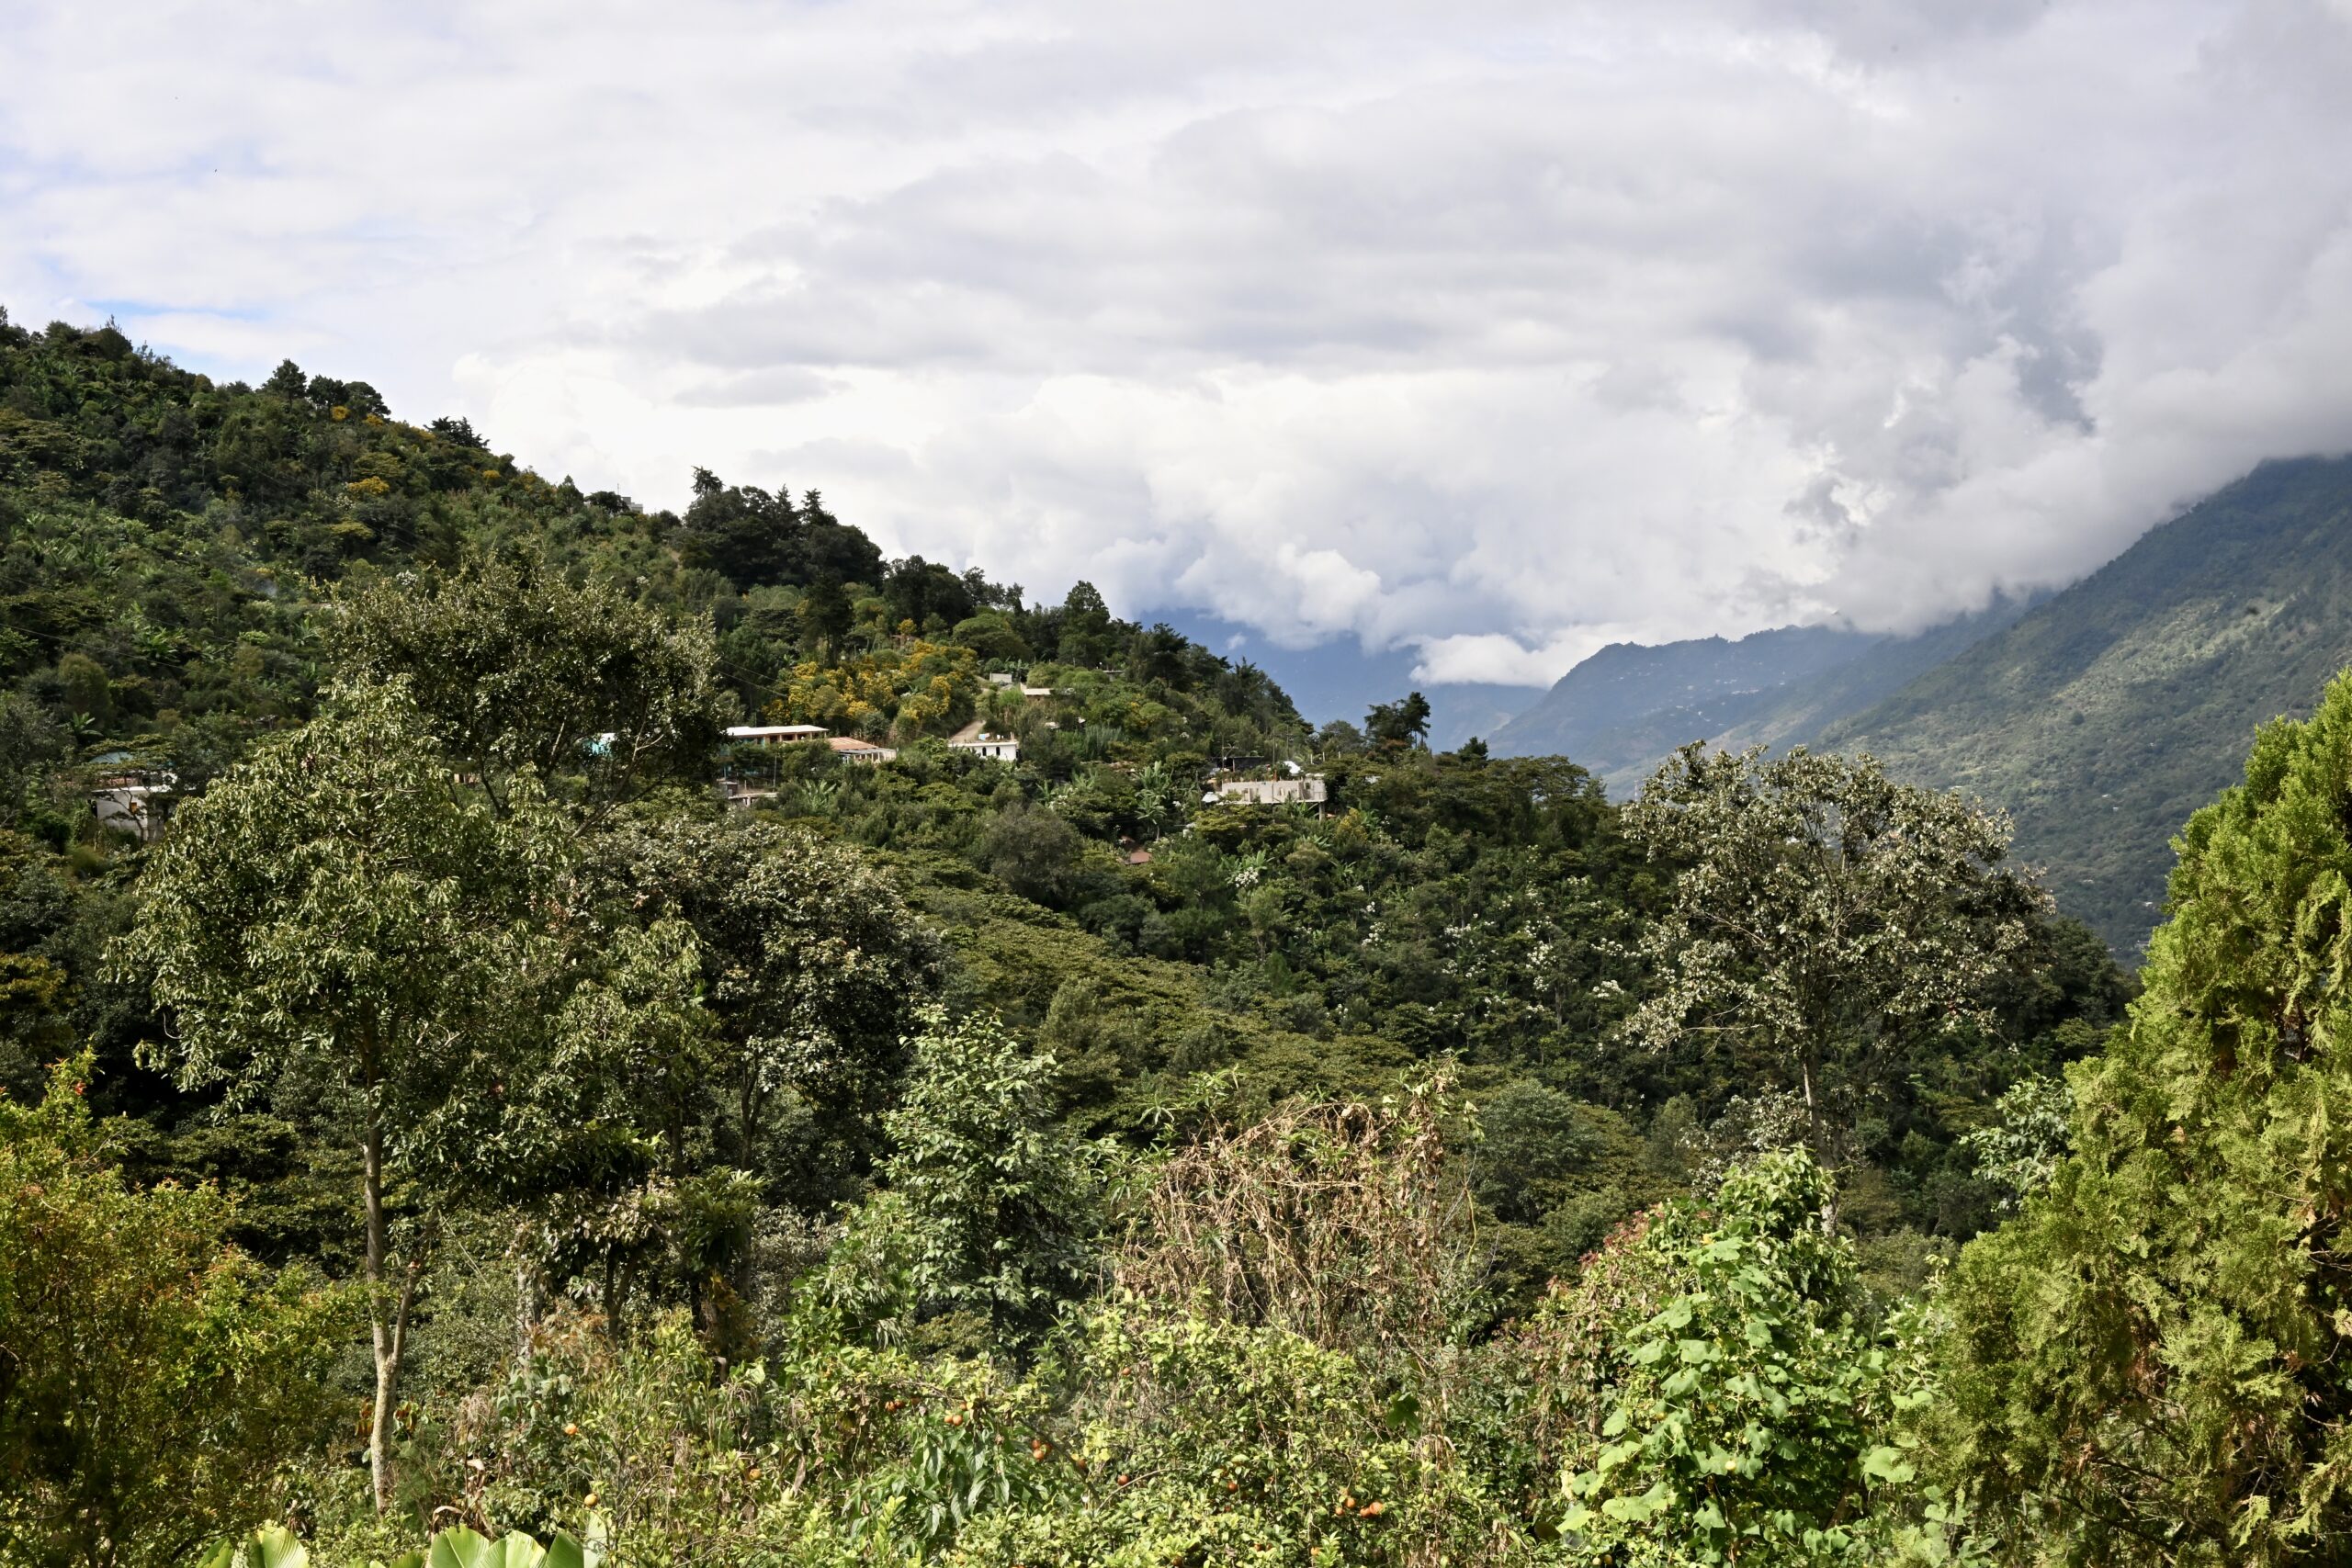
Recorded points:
(1000, 1203)
(1733, 1404)
(1195, 1440)
(153, 1380)
(273, 1545)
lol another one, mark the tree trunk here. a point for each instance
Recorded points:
(386, 1319)
(527, 1293)
(379, 1427)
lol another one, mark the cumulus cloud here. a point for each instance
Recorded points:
(1496, 331)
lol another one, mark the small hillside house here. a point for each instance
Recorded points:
(135, 802)
(987, 743)
(775, 734)
(1307, 789)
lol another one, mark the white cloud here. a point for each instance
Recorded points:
(1496, 329)
(1505, 660)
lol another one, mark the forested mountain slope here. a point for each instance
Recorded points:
(2107, 713)
(1622, 711)
(484, 1092)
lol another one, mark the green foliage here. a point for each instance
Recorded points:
(1830, 928)
(827, 1451)
(1197, 1440)
(1735, 1397)
(36, 1000)
(2019, 1151)
(273, 1546)
(334, 911)
(1399, 725)
(153, 1380)
(2148, 1365)
(807, 967)
(514, 669)
(1000, 1203)
(335, 898)
(752, 537)
(992, 636)
(1535, 1138)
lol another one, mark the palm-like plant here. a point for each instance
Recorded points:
(273, 1545)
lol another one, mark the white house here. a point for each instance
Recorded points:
(775, 734)
(1307, 789)
(133, 802)
(983, 743)
(851, 750)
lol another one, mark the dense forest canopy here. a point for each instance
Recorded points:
(452, 1081)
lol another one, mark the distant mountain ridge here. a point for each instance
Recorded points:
(2099, 716)
(1625, 709)
(2112, 711)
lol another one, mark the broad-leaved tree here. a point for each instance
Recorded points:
(337, 907)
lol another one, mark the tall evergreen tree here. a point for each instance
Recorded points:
(2154, 1364)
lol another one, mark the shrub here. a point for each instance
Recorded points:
(153, 1380)
(1717, 1397)
(1195, 1440)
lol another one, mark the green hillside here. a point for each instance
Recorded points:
(485, 1097)
(1803, 709)
(2106, 715)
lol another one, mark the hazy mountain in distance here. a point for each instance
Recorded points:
(1626, 708)
(1803, 710)
(1622, 708)
(2099, 717)
(2107, 713)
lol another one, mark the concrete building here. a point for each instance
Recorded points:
(1307, 789)
(775, 734)
(985, 744)
(742, 793)
(133, 802)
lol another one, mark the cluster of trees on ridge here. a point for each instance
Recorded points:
(451, 1120)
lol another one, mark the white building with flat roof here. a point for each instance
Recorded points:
(1305, 789)
(987, 743)
(775, 734)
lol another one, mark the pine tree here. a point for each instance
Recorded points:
(2153, 1363)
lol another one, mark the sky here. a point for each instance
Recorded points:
(1476, 335)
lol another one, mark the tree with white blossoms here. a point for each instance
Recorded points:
(1826, 920)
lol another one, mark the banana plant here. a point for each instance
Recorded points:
(273, 1545)
(459, 1546)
